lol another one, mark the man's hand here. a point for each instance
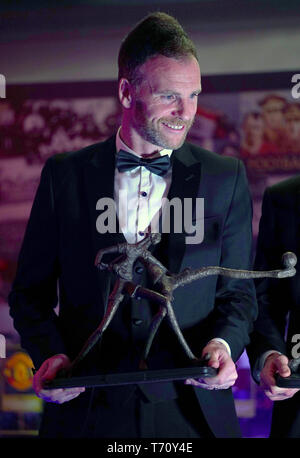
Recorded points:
(276, 364)
(48, 371)
(219, 359)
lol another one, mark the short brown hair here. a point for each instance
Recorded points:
(156, 34)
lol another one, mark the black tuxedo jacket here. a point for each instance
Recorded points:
(278, 300)
(61, 243)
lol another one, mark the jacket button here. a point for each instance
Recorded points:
(137, 321)
(139, 270)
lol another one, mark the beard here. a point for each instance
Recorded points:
(154, 133)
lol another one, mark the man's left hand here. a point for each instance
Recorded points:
(221, 360)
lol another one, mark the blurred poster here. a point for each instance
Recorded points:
(262, 128)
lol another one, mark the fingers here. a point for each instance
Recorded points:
(280, 394)
(203, 383)
(47, 372)
(61, 395)
(214, 360)
(276, 364)
(225, 379)
(219, 359)
(281, 364)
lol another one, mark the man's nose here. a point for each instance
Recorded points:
(185, 109)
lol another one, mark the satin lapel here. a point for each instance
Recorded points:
(99, 184)
(186, 172)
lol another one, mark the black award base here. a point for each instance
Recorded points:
(141, 376)
(293, 381)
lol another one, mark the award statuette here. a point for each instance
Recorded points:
(165, 283)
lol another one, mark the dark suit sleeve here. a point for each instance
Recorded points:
(34, 291)
(235, 303)
(270, 325)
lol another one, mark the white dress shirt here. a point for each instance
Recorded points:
(138, 196)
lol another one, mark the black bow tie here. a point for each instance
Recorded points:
(128, 161)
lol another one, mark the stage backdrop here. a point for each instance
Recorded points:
(254, 117)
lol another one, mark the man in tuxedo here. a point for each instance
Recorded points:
(275, 338)
(147, 161)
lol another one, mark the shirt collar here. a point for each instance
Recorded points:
(121, 145)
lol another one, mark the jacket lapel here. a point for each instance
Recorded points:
(186, 172)
(99, 184)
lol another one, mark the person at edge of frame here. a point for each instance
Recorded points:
(159, 83)
(273, 341)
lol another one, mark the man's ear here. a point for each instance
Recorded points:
(125, 93)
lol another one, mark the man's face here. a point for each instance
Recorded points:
(164, 104)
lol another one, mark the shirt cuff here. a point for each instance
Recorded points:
(218, 339)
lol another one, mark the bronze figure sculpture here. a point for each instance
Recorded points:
(165, 283)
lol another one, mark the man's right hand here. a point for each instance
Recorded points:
(276, 364)
(48, 371)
